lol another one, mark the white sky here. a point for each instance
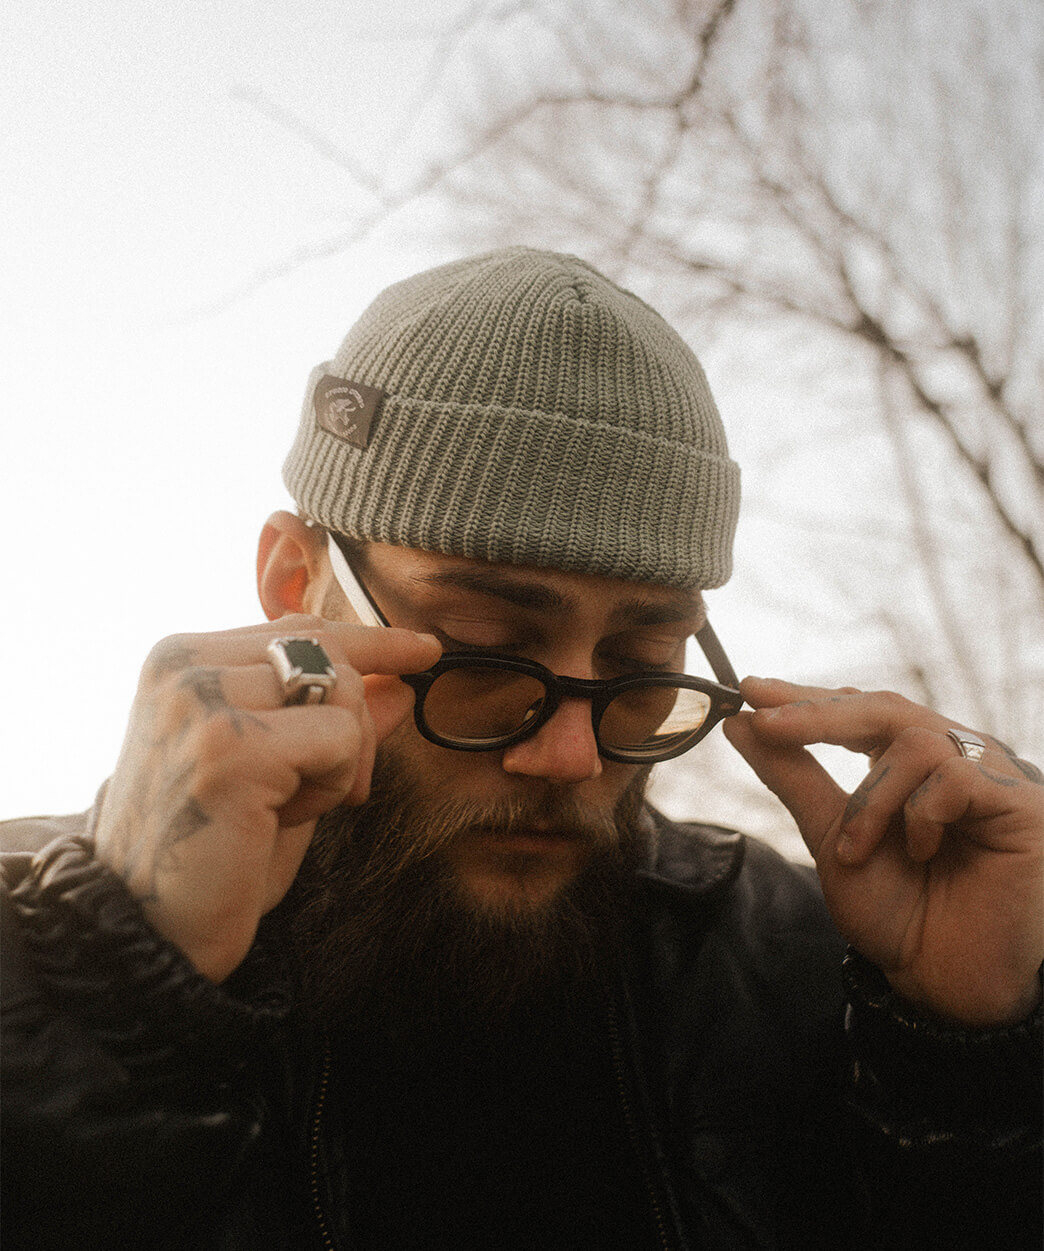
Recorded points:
(141, 443)
(141, 447)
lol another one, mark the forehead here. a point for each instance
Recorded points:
(554, 593)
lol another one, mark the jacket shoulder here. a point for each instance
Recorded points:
(28, 835)
(747, 885)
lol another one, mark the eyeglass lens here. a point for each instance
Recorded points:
(652, 716)
(475, 705)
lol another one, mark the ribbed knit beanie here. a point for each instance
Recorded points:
(519, 407)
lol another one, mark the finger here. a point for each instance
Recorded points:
(335, 761)
(389, 701)
(383, 649)
(773, 692)
(1006, 812)
(794, 775)
(862, 721)
(238, 695)
(1026, 767)
(295, 762)
(387, 704)
(252, 688)
(367, 649)
(883, 796)
(381, 705)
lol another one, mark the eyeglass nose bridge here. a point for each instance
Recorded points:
(559, 687)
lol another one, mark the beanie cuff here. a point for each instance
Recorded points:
(514, 486)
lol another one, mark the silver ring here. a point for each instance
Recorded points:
(969, 745)
(303, 669)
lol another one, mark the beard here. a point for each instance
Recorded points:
(388, 938)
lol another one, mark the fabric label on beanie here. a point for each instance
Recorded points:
(346, 409)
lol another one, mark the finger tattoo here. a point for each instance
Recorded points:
(860, 797)
(1002, 779)
(1027, 769)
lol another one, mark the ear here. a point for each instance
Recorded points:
(290, 566)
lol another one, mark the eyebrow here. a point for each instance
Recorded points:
(488, 582)
(637, 611)
(646, 612)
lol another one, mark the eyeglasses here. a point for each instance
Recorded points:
(489, 702)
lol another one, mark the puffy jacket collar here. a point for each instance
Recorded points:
(689, 859)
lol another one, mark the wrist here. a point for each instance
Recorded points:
(91, 946)
(933, 1072)
(994, 1004)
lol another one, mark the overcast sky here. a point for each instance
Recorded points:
(141, 440)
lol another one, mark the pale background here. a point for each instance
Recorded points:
(155, 344)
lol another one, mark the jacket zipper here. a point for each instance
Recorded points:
(616, 1046)
(327, 1241)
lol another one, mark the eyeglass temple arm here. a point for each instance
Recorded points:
(362, 602)
(715, 654)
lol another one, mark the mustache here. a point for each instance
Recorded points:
(421, 834)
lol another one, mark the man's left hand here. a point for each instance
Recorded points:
(932, 868)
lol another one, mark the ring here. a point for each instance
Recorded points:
(303, 668)
(969, 745)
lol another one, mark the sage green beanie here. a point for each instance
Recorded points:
(519, 407)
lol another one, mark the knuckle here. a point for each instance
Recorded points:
(169, 655)
(350, 685)
(918, 740)
(217, 738)
(351, 728)
(351, 742)
(301, 623)
(894, 701)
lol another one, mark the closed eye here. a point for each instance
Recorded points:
(450, 644)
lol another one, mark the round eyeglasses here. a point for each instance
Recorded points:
(488, 703)
(483, 702)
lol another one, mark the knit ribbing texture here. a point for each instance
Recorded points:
(534, 413)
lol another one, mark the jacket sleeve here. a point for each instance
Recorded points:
(948, 1123)
(129, 1102)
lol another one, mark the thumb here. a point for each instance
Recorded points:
(794, 775)
(389, 702)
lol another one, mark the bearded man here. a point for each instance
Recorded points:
(317, 973)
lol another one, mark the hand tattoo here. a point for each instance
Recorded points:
(205, 684)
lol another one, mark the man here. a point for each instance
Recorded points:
(314, 973)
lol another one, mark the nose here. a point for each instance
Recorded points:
(564, 749)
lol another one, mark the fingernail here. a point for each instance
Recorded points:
(429, 638)
(767, 714)
(845, 849)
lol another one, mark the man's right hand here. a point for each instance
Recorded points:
(218, 786)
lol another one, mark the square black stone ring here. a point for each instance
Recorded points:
(303, 668)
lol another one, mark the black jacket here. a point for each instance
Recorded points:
(778, 1094)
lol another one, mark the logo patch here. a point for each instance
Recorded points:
(346, 409)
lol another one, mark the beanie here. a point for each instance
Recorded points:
(520, 408)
